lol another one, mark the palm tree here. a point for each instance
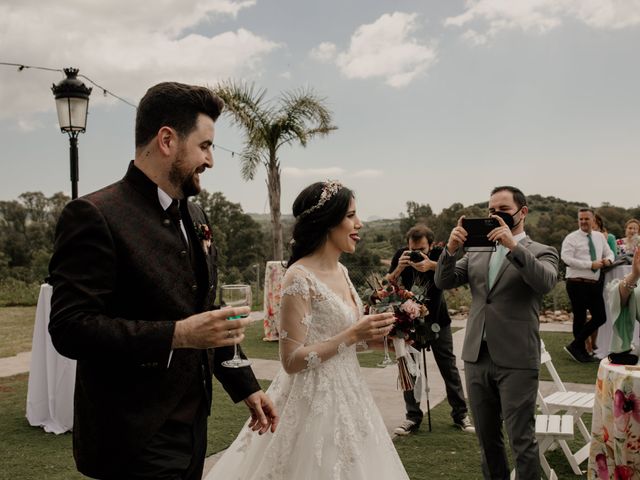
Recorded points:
(295, 117)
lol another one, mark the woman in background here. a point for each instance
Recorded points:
(629, 244)
(599, 226)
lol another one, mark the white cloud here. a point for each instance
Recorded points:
(325, 52)
(125, 53)
(329, 172)
(386, 48)
(490, 17)
(26, 125)
(368, 173)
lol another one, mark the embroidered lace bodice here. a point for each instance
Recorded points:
(330, 427)
(311, 315)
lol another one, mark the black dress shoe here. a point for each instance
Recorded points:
(577, 354)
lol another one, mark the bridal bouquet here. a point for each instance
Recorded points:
(410, 310)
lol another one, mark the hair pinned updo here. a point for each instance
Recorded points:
(318, 208)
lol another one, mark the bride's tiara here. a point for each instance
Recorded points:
(329, 189)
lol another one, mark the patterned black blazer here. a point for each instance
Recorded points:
(122, 275)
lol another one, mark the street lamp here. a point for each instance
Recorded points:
(72, 103)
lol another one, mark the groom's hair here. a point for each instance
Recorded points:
(313, 224)
(175, 105)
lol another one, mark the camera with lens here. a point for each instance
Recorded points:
(416, 256)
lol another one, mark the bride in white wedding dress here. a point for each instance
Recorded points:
(330, 427)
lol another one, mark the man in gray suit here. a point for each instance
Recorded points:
(502, 342)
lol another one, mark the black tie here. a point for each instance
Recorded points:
(173, 211)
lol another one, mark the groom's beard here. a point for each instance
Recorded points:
(183, 178)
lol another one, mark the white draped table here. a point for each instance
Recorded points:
(51, 376)
(604, 332)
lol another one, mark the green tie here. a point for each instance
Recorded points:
(496, 261)
(592, 251)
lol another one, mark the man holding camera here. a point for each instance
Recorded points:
(413, 266)
(501, 348)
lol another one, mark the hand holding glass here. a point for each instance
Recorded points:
(386, 361)
(235, 296)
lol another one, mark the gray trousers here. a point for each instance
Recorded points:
(445, 359)
(498, 394)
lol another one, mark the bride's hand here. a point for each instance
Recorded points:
(373, 327)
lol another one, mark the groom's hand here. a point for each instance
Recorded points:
(457, 237)
(263, 412)
(211, 329)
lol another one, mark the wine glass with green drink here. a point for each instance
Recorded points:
(236, 296)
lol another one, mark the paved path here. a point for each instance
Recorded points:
(381, 381)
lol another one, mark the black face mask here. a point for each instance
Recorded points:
(508, 218)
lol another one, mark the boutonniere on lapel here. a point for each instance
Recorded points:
(203, 232)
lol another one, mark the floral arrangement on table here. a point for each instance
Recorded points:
(410, 326)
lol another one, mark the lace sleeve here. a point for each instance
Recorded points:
(295, 319)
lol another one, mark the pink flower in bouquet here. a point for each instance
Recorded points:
(411, 308)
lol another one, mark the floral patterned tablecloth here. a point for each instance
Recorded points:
(615, 443)
(272, 287)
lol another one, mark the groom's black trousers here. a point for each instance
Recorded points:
(176, 452)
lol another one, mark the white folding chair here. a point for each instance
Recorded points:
(550, 429)
(572, 403)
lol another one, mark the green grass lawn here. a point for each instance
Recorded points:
(27, 452)
(568, 369)
(16, 330)
(447, 453)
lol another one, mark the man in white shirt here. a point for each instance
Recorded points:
(585, 252)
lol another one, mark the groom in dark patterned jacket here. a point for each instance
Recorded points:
(133, 301)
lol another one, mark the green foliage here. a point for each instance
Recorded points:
(557, 299)
(458, 297)
(245, 241)
(14, 292)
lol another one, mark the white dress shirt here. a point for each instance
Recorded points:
(575, 253)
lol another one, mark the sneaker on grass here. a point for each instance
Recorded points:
(406, 427)
(464, 424)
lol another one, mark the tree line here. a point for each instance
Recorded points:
(27, 228)
(27, 231)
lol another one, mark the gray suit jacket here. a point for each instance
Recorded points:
(508, 312)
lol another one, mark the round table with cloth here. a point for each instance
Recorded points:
(273, 274)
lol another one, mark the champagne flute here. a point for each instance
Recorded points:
(236, 296)
(386, 361)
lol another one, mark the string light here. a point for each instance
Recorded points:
(105, 92)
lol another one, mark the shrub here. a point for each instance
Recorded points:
(557, 299)
(15, 292)
(458, 297)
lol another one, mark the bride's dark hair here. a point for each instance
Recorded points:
(313, 222)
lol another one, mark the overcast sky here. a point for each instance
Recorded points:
(436, 101)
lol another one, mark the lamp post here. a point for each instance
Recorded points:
(72, 104)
